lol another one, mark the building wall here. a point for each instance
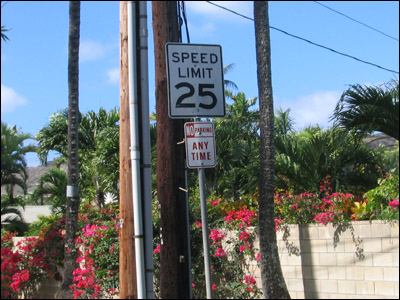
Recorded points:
(359, 260)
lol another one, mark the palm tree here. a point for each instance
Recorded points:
(304, 158)
(100, 152)
(13, 163)
(4, 37)
(228, 84)
(369, 108)
(98, 149)
(13, 174)
(11, 216)
(283, 122)
(71, 223)
(237, 147)
(273, 282)
(52, 185)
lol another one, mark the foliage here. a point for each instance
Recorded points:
(98, 149)
(370, 108)
(231, 240)
(12, 158)
(13, 174)
(237, 146)
(383, 201)
(39, 258)
(32, 260)
(35, 227)
(98, 249)
(327, 207)
(4, 37)
(390, 159)
(304, 158)
(13, 220)
(52, 185)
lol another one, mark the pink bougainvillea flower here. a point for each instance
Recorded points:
(216, 202)
(394, 203)
(244, 236)
(220, 252)
(198, 224)
(249, 280)
(216, 235)
(157, 250)
(77, 293)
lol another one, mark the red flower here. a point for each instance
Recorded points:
(220, 252)
(77, 293)
(24, 275)
(244, 236)
(157, 250)
(216, 235)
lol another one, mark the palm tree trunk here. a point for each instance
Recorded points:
(73, 171)
(273, 283)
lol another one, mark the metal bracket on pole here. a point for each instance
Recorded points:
(72, 191)
(185, 190)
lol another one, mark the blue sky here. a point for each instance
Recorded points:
(307, 79)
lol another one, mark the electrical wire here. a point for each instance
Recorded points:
(308, 41)
(185, 20)
(338, 12)
(182, 19)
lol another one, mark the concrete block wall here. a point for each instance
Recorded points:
(358, 260)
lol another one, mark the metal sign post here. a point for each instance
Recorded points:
(204, 223)
(200, 154)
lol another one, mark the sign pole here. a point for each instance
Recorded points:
(204, 223)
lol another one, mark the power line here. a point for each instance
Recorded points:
(183, 9)
(4, 4)
(308, 41)
(338, 12)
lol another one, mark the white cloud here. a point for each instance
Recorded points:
(203, 17)
(312, 109)
(113, 76)
(91, 50)
(10, 99)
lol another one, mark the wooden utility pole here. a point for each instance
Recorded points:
(170, 164)
(127, 264)
(273, 282)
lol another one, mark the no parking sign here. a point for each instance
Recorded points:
(200, 145)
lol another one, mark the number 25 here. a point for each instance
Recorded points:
(202, 93)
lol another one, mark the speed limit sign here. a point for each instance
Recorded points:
(195, 80)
